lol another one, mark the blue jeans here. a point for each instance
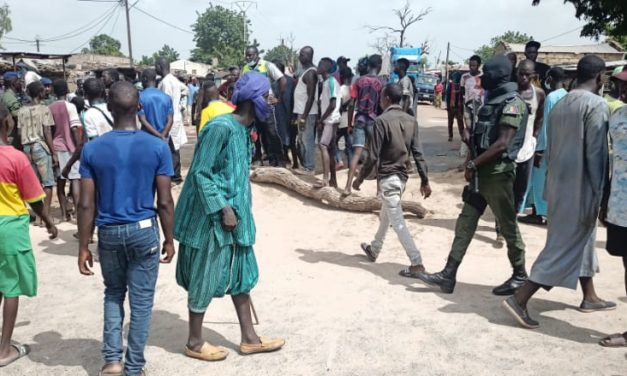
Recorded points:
(348, 145)
(362, 133)
(129, 259)
(307, 141)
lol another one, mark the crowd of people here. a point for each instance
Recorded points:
(529, 143)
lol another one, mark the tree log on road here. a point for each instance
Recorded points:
(328, 196)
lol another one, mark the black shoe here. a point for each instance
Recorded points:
(369, 252)
(509, 287)
(521, 315)
(445, 279)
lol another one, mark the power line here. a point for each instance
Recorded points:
(88, 26)
(71, 34)
(97, 32)
(162, 21)
(462, 48)
(117, 17)
(17, 39)
(564, 33)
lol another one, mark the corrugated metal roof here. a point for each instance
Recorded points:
(601, 48)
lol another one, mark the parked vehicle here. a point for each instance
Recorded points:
(425, 87)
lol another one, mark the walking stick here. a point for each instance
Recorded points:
(252, 309)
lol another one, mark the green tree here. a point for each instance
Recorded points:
(282, 53)
(5, 21)
(104, 45)
(166, 51)
(604, 17)
(221, 34)
(146, 60)
(487, 50)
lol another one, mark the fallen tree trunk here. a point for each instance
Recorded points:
(328, 196)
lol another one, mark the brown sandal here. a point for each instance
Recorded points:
(208, 353)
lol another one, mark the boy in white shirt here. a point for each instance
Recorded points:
(346, 76)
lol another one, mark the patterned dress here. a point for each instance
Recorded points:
(213, 262)
(617, 206)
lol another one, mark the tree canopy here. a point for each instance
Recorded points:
(166, 51)
(282, 53)
(603, 17)
(104, 45)
(5, 21)
(487, 50)
(221, 34)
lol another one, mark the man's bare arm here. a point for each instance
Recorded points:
(168, 127)
(165, 208)
(86, 213)
(148, 127)
(311, 80)
(537, 125)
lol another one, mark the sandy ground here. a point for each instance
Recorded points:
(340, 314)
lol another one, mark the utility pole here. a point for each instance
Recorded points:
(128, 32)
(37, 43)
(448, 49)
(244, 6)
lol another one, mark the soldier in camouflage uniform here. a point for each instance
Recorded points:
(497, 137)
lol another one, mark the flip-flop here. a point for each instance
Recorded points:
(614, 340)
(409, 274)
(208, 353)
(22, 351)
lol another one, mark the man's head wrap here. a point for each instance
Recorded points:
(253, 86)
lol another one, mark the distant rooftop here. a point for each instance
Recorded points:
(600, 48)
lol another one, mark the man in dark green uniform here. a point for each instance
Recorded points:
(497, 137)
(11, 100)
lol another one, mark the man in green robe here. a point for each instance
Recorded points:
(214, 222)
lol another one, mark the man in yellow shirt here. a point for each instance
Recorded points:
(214, 106)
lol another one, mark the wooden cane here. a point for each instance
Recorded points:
(252, 309)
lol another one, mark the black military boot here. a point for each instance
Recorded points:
(509, 287)
(445, 279)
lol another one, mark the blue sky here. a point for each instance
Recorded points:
(332, 27)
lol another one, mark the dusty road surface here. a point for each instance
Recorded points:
(340, 314)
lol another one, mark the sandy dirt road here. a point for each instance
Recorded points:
(340, 314)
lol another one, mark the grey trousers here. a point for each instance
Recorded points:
(391, 190)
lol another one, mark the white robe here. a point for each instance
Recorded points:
(175, 89)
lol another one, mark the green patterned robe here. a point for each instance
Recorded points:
(213, 262)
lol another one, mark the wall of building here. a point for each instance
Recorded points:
(97, 60)
(190, 67)
(562, 58)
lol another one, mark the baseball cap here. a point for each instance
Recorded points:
(10, 75)
(533, 43)
(45, 81)
(621, 76)
(343, 58)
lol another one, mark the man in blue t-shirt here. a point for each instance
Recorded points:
(156, 113)
(192, 90)
(120, 172)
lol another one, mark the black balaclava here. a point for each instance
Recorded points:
(496, 72)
